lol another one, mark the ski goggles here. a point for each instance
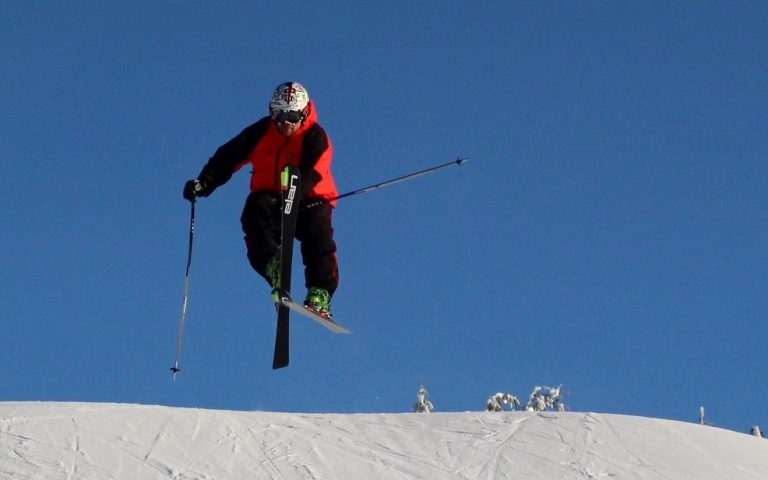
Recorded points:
(291, 116)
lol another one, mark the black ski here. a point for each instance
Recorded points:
(290, 184)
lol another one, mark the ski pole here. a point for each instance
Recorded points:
(175, 368)
(458, 161)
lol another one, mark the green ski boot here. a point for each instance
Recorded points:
(273, 274)
(319, 301)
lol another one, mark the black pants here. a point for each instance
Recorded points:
(261, 225)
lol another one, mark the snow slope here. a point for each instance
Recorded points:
(127, 442)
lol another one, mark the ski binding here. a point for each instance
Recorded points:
(287, 301)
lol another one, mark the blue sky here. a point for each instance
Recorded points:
(608, 234)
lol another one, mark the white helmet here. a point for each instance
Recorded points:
(289, 97)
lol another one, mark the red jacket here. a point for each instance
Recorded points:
(268, 151)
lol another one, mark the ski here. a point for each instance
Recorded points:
(290, 182)
(287, 301)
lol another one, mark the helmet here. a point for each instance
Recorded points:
(289, 97)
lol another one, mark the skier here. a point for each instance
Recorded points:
(290, 134)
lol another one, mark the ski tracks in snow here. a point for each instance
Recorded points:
(488, 445)
(75, 448)
(131, 442)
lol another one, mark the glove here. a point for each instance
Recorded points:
(195, 188)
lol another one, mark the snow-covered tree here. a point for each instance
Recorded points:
(422, 405)
(543, 398)
(498, 402)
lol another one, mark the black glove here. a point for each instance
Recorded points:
(195, 188)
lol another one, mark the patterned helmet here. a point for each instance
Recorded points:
(289, 97)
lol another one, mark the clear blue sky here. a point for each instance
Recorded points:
(608, 234)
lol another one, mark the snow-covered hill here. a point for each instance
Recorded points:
(128, 442)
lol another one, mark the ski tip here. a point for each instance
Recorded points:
(460, 161)
(174, 371)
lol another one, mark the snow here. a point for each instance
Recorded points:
(121, 441)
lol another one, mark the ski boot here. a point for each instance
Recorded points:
(273, 275)
(319, 301)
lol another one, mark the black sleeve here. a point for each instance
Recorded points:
(229, 156)
(315, 143)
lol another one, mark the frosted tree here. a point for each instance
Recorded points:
(501, 402)
(545, 398)
(422, 405)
